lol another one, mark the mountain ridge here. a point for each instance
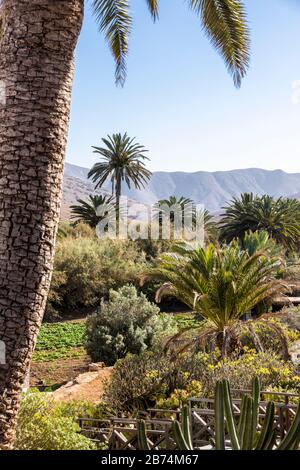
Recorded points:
(213, 189)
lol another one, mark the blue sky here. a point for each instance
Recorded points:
(179, 100)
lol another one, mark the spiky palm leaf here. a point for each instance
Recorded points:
(279, 217)
(93, 210)
(115, 21)
(153, 8)
(224, 22)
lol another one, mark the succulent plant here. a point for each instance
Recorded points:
(243, 432)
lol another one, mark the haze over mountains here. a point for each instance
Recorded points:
(211, 189)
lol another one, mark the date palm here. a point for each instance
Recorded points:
(220, 284)
(279, 217)
(122, 159)
(36, 69)
(92, 211)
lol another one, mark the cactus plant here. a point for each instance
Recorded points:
(143, 443)
(182, 433)
(244, 434)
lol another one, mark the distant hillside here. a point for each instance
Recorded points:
(211, 189)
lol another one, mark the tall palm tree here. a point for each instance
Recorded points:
(92, 211)
(279, 217)
(122, 159)
(36, 69)
(221, 285)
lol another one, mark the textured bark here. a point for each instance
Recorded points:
(36, 65)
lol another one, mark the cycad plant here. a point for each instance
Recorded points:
(220, 284)
(279, 217)
(94, 210)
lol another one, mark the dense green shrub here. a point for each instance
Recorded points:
(86, 268)
(127, 323)
(138, 382)
(42, 425)
(79, 230)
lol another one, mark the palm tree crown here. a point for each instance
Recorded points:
(92, 211)
(122, 160)
(279, 217)
(224, 22)
(183, 205)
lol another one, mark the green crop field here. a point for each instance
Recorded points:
(60, 341)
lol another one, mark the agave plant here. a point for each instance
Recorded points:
(279, 217)
(220, 284)
(244, 433)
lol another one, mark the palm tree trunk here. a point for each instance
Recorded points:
(36, 68)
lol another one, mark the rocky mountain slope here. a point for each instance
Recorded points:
(211, 189)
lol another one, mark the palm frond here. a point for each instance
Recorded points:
(153, 8)
(115, 21)
(224, 22)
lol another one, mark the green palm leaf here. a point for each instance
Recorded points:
(153, 8)
(279, 218)
(224, 22)
(115, 21)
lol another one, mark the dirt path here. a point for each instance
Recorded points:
(88, 386)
